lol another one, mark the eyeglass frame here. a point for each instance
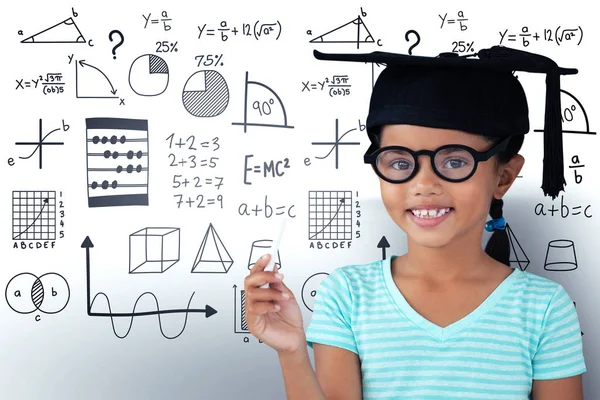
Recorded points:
(373, 152)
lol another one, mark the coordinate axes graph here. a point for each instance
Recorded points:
(34, 215)
(41, 142)
(208, 310)
(335, 145)
(329, 215)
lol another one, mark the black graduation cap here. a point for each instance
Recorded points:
(478, 95)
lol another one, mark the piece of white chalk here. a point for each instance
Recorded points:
(274, 249)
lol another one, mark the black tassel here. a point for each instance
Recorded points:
(553, 180)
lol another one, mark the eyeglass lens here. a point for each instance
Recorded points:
(452, 163)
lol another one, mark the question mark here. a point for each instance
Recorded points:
(110, 35)
(414, 45)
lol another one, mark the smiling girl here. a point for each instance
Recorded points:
(448, 319)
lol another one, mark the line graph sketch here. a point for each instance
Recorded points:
(330, 215)
(335, 145)
(40, 143)
(208, 311)
(33, 215)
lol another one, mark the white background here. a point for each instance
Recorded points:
(71, 355)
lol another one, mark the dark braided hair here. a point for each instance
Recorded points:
(498, 245)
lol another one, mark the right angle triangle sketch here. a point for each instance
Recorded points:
(64, 32)
(354, 31)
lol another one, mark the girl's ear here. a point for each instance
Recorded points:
(509, 173)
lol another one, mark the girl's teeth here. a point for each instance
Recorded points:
(432, 213)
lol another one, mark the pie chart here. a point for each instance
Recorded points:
(205, 94)
(149, 75)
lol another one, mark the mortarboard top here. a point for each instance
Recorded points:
(476, 95)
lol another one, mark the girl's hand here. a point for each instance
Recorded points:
(271, 317)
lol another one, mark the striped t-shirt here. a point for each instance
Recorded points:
(527, 328)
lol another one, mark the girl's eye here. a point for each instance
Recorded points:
(454, 163)
(400, 164)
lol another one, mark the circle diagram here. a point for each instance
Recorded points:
(205, 94)
(149, 75)
(309, 289)
(27, 293)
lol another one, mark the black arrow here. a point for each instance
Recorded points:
(35, 219)
(383, 244)
(342, 201)
(113, 90)
(87, 244)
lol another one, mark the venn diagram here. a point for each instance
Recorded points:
(27, 293)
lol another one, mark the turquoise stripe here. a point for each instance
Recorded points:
(529, 329)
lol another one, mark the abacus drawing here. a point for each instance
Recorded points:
(117, 162)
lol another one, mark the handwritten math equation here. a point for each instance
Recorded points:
(258, 30)
(164, 18)
(189, 185)
(51, 83)
(558, 35)
(334, 86)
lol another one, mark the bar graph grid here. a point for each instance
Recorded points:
(33, 215)
(330, 215)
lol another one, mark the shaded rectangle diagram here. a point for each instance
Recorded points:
(117, 162)
(153, 250)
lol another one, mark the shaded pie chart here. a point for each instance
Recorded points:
(205, 94)
(149, 75)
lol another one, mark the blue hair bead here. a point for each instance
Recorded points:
(495, 224)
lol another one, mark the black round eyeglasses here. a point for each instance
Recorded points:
(451, 162)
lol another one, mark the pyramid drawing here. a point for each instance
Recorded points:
(354, 31)
(212, 256)
(517, 258)
(64, 32)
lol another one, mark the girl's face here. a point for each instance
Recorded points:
(470, 200)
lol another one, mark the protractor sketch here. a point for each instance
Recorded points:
(310, 287)
(262, 107)
(354, 31)
(335, 145)
(39, 144)
(149, 75)
(330, 215)
(92, 83)
(64, 32)
(208, 311)
(573, 116)
(34, 215)
(205, 94)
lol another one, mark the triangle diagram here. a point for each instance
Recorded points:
(517, 258)
(354, 31)
(212, 256)
(63, 32)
